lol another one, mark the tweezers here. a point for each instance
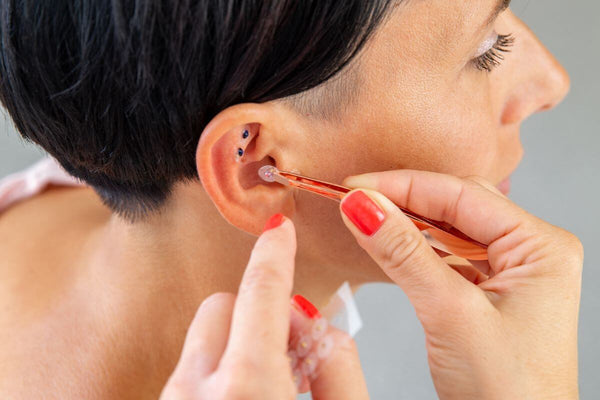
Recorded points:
(440, 235)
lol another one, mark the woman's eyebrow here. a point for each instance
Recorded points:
(501, 5)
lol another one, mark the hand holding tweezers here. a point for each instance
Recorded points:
(440, 235)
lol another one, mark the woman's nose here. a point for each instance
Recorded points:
(539, 81)
(558, 82)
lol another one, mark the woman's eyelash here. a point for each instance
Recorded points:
(493, 57)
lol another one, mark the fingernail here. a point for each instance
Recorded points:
(364, 213)
(306, 307)
(273, 222)
(356, 181)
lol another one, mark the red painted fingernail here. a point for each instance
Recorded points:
(273, 222)
(306, 307)
(364, 213)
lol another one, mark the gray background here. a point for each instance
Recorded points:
(557, 181)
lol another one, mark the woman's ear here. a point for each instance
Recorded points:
(232, 147)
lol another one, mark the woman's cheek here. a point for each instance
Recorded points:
(453, 140)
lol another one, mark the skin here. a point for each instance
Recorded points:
(485, 340)
(218, 363)
(124, 295)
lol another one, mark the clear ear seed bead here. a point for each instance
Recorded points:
(293, 358)
(267, 172)
(309, 365)
(303, 346)
(324, 346)
(319, 328)
(297, 376)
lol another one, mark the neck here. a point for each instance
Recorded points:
(189, 251)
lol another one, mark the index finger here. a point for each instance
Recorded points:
(261, 315)
(465, 204)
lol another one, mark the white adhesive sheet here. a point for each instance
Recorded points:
(342, 312)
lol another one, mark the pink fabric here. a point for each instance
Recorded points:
(33, 180)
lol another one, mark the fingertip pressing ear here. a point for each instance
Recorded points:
(231, 149)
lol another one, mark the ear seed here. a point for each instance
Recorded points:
(293, 358)
(304, 345)
(309, 365)
(267, 172)
(238, 154)
(297, 376)
(324, 346)
(319, 328)
(309, 348)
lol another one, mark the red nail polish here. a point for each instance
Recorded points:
(306, 307)
(364, 213)
(273, 222)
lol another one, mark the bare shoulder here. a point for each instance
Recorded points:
(58, 210)
(44, 324)
(61, 334)
(41, 230)
(39, 237)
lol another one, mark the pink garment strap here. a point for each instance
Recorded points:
(33, 180)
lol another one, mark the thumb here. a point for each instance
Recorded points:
(338, 374)
(399, 248)
(341, 376)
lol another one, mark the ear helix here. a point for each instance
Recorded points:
(240, 150)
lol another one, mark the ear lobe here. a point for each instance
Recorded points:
(231, 180)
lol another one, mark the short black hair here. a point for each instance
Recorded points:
(119, 91)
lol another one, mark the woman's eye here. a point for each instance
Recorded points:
(490, 53)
